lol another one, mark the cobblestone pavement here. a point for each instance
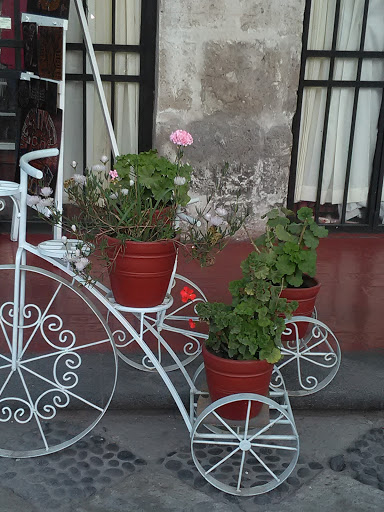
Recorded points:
(141, 462)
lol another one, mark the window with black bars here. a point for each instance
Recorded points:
(79, 80)
(337, 159)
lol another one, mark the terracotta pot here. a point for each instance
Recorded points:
(141, 271)
(306, 297)
(227, 377)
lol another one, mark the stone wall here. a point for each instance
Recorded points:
(228, 73)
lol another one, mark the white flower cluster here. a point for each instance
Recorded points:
(42, 204)
(77, 260)
(80, 179)
(217, 218)
(179, 181)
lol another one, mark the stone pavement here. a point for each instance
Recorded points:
(140, 462)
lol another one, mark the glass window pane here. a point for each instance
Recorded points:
(128, 19)
(74, 62)
(128, 64)
(350, 24)
(372, 70)
(345, 69)
(321, 25)
(374, 37)
(364, 146)
(317, 69)
(97, 135)
(73, 127)
(127, 117)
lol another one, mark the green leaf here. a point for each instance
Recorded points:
(296, 279)
(271, 356)
(272, 214)
(319, 231)
(305, 213)
(285, 265)
(310, 239)
(308, 264)
(282, 234)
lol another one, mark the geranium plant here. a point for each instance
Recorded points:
(251, 326)
(290, 240)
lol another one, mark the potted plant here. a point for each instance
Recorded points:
(245, 336)
(291, 241)
(128, 216)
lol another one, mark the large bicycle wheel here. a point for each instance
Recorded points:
(57, 355)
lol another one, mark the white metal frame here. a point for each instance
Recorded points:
(244, 439)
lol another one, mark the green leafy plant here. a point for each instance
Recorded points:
(251, 326)
(291, 242)
(156, 175)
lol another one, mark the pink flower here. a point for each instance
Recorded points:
(181, 138)
(113, 174)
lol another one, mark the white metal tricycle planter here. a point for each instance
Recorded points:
(58, 350)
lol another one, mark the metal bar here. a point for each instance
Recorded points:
(344, 83)
(96, 75)
(354, 114)
(105, 47)
(79, 77)
(17, 22)
(297, 116)
(148, 31)
(349, 54)
(113, 67)
(326, 116)
(378, 172)
(11, 43)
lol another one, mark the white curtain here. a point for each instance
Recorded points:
(341, 106)
(128, 19)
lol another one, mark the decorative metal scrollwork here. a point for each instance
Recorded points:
(65, 335)
(22, 414)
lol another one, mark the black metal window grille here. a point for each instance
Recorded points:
(146, 79)
(371, 221)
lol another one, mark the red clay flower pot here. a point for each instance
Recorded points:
(141, 271)
(306, 297)
(227, 377)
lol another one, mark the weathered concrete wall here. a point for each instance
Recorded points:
(228, 73)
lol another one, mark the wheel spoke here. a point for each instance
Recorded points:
(65, 351)
(62, 388)
(211, 441)
(222, 461)
(226, 425)
(33, 408)
(267, 427)
(278, 447)
(241, 471)
(264, 465)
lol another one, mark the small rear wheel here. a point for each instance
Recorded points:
(248, 457)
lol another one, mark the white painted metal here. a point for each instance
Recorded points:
(309, 363)
(12, 190)
(170, 318)
(247, 442)
(21, 402)
(35, 386)
(247, 438)
(96, 75)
